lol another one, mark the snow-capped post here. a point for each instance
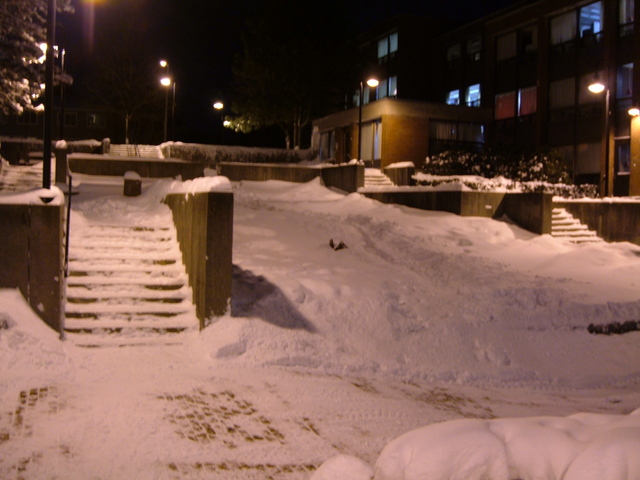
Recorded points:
(62, 165)
(48, 95)
(132, 184)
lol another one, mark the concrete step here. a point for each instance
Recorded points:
(566, 226)
(127, 286)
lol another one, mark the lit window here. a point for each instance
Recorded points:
(393, 86)
(472, 96)
(625, 81)
(563, 28)
(527, 101)
(626, 11)
(505, 105)
(453, 98)
(387, 46)
(382, 89)
(591, 19)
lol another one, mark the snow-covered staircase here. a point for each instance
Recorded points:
(565, 226)
(130, 150)
(22, 178)
(126, 286)
(373, 177)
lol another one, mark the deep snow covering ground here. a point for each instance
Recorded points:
(424, 317)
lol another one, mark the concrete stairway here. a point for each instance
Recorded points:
(126, 286)
(565, 226)
(145, 151)
(373, 177)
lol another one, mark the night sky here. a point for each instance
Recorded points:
(201, 37)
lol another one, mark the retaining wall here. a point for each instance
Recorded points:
(347, 178)
(31, 257)
(204, 224)
(614, 221)
(531, 211)
(146, 167)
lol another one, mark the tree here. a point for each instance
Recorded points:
(292, 65)
(124, 76)
(22, 31)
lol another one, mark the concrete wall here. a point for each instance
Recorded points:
(344, 177)
(615, 222)
(531, 211)
(31, 257)
(204, 224)
(401, 176)
(145, 167)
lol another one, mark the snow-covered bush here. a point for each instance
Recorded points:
(212, 155)
(515, 164)
(524, 170)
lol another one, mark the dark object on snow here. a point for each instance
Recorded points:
(339, 246)
(614, 328)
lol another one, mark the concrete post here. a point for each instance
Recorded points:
(62, 163)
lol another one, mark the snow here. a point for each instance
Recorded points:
(39, 196)
(433, 346)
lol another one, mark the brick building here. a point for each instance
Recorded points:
(517, 77)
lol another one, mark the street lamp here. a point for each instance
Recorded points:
(167, 81)
(218, 105)
(372, 82)
(598, 87)
(48, 95)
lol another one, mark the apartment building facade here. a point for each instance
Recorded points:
(518, 77)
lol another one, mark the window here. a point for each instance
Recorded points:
(474, 46)
(453, 97)
(393, 86)
(625, 81)
(591, 19)
(96, 120)
(527, 101)
(28, 118)
(563, 28)
(387, 46)
(528, 40)
(447, 135)
(505, 105)
(382, 89)
(506, 46)
(388, 88)
(371, 140)
(327, 145)
(562, 93)
(626, 11)
(623, 158)
(453, 55)
(472, 96)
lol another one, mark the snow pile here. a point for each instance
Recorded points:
(39, 196)
(26, 342)
(578, 447)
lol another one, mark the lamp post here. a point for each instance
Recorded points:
(48, 95)
(598, 87)
(372, 82)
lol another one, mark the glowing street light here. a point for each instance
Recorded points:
(372, 82)
(218, 105)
